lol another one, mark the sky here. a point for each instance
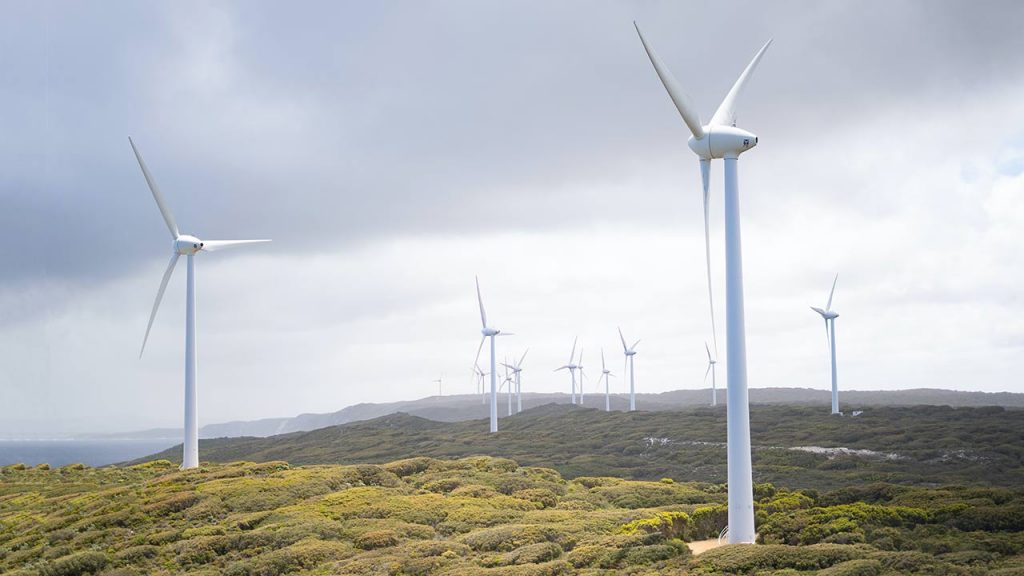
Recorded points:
(394, 150)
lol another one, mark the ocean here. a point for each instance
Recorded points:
(90, 452)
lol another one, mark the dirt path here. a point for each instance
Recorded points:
(701, 546)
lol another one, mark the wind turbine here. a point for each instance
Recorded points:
(830, 334)
(489, 332)
(720, 138)
(606, 374)
(571, 367)
(579, 365)
(508, 391)
(480, 375)
(711, 370)
(188, 246)
(517, 369)
(438, 382)
(629, 351)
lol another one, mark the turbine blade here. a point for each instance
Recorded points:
(633, 347)
(828, 338)
(214, 245)
(829, 307)
(705, 172)
(675, 91)
(709, 351)
(560, 369)
(706, 372)
(818, 310)
(602, 361)
(164, 210)
(159, 297)
(506, 334)
(623, 338)
(479, 348)
(573, 354)
(520, 363)
(480, 299)
(726, 113)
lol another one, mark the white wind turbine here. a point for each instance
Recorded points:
(579, 366)
(629, 351)
(571, 367)
(711, 370)
(188, 246)
(830, 334)
(606, 374)
(517, 369)
(438, 382)
(510, 382)
(720, 138)
(480, 375)
(489, 332)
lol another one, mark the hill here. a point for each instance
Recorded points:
(478, 516)
(457, 408)
(794, 446)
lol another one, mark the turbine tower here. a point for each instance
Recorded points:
(439, 391)
(489, 332)
(571, 367)
(720, 138)
(516, 371)
(830, 334)
(188, 246)
(579, 366)
(480, 375)
(711, 370)
(629, 351)
(606, 374)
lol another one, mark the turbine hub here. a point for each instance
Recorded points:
(490, 332)
(187, 245)
(722, 142)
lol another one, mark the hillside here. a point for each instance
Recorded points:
(794, 446)
(457, 408)
(478, 516)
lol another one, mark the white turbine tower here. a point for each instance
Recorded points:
(720, 138)
(830, 334)
(188, 246)
(579, 366)
(606, 374)
(517, 369)
(480, 375)
(439, 391)
(711, 370)
(629, 351)
(489, 332)
(571, 367)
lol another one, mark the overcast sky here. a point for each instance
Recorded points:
(393, 150)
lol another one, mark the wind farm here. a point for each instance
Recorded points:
(514, 183)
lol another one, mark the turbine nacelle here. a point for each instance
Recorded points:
(490, 332)
(187, 245)
(722, 142)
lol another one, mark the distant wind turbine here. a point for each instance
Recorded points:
(438, 382)
(489, 332)
(830, 335)
(711, 370)
(579, 365)
(188, 246)
(606, 374)
(480, 375)
(571, 367)
(720, 138)
(629, 351)
(517, 370)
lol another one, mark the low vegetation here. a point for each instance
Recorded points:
(479, 515)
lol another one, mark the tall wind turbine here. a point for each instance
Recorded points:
(711, 370)
(439, 391)
(489, 332)
(480, 375)
(830, 335)
(188, 246)
(517, 369)
(579, 366)
(629, 351)
(571, 367)
(720, 138)
(606, 374)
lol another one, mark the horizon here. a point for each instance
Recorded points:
(556, 169)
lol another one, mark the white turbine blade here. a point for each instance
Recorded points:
(709, 351)
(479, 348)
(560, 369)
(159, 297)
(726, 113)
(828, 338)
(819, 311)
(572, 355)
(164, 210)
(633, 347)
(705, 173)
(706, 372)
(623, 338)
(480, 299)
(520, 363)
(602, 361)
(214, 245)
(506, 334)
(675, 91)
(829, 307)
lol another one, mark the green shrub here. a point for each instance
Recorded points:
(80, 564)
(669, 524)
(853, 568)
(376, 539)
(534, 553)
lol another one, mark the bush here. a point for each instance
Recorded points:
(669, 524)
(746, 559)
(853, 568)
(376, 539)
(79, 564)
